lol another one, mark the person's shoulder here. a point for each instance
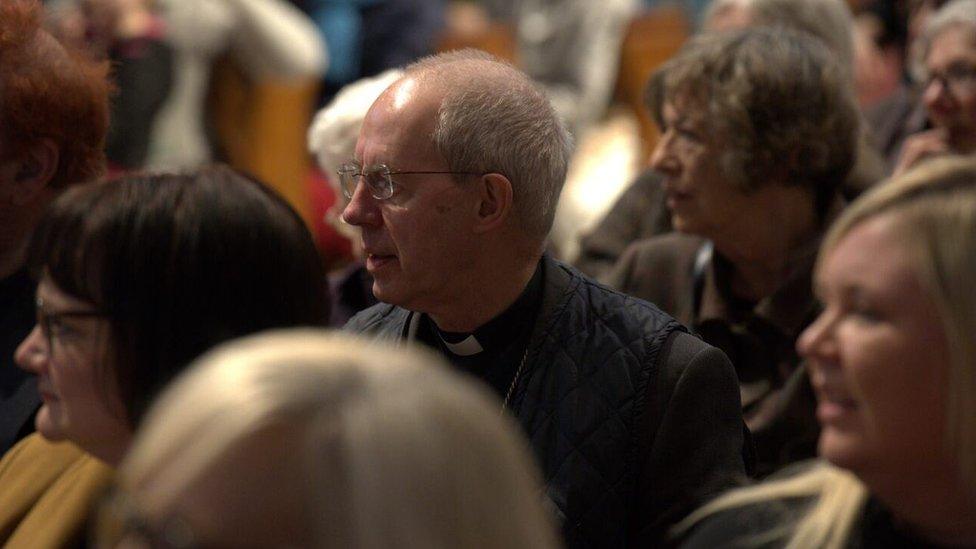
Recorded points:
(35, 452)
(684, 348)
(375, 318)
(605, 310)
(663, 255)
(658, 269)
(687, 362)
(673, 244)
(763, 524)
(35, 465)
(47, 490)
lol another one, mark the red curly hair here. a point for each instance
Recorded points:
(48, 91)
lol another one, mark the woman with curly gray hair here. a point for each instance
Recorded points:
(758, 131)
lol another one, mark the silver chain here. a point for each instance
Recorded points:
(518, 374)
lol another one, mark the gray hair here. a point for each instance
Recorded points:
(493, 118)
(829, 20)
(776, 98)
(955, 13)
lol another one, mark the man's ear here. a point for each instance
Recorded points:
(34, 171)
(495, 202)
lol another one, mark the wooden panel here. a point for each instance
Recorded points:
(651, 39)
(261, 127)
(497, 39)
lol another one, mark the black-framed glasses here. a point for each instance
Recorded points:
(959, 79)
(378, 178)
(52, 322)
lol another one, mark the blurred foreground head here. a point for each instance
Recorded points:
(310, 439)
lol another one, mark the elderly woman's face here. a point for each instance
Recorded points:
(702, 199)
(878, 359)
(950, 94)
(63, 350)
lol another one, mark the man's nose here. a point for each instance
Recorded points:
(362, 208)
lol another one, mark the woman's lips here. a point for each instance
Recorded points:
(675, 198)
(833, 409)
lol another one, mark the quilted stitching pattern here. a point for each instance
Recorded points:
(583, 392)
(581, 403)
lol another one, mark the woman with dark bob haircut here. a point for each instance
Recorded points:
(136, 278)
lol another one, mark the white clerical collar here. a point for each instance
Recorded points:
(469, 346)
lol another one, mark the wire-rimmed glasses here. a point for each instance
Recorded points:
(378, 178)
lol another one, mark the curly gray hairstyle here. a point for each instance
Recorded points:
(774, 98)
(493, 118)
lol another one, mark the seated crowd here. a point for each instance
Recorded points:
(779, 354)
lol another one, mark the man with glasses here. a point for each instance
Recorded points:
(53, 120)
(454, 185)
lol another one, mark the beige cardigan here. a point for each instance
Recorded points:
(48, 492)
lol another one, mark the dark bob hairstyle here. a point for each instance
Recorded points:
(179, 263)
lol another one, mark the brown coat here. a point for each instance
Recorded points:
(759, 338)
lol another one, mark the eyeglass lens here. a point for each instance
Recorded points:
(377, 178)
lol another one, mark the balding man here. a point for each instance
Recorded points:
(454, 185)
(53, 120)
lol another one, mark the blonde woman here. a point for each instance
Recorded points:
(893, 362)
(307, 439)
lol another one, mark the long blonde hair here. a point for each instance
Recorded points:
(934, 206)
(398, 450)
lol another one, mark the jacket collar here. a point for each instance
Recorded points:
(790, 307)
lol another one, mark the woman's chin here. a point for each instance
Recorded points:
(841, 449)
(47, 426)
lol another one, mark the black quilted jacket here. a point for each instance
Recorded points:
(617, 468)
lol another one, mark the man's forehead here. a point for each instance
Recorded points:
(403, 115)
(403, 93)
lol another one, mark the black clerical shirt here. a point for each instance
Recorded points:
(503, 340)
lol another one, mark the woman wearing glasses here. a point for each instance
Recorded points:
(137, 277)
(893, 362)
(948, 52)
